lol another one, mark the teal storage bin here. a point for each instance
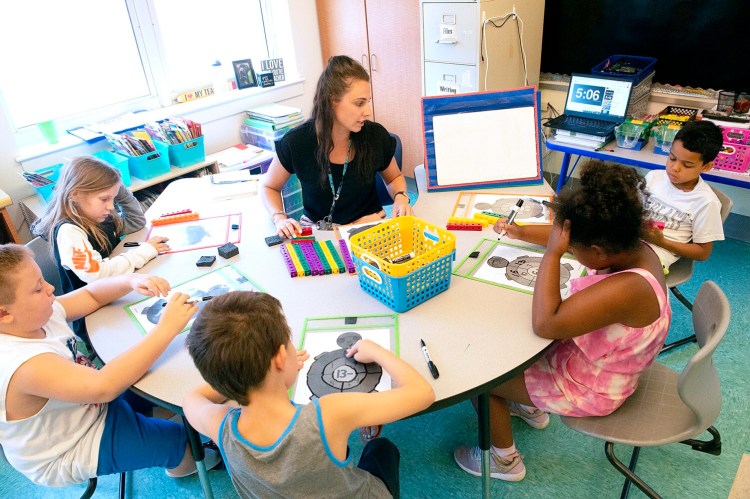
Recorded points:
(52, 173)
(118, 161)
(187, 153)
(153, 164)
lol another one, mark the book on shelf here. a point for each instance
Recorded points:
(274, 127)
(275, 113)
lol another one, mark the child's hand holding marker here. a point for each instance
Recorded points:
(507, 226)
(192, 300)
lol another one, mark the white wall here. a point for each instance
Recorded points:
(221, 123)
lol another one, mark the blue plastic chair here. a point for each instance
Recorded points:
(411, 185)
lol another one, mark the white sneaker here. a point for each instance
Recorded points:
(536, 418)
(211, 460)
(510, 469)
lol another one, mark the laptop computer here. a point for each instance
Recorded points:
(594, 105)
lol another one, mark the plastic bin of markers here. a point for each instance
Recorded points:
(386, 242)
(404, 293)
(631, 135)
(735, 152)
(118, 161)
(150, 165)
(52, 173)
(663, 138)
(186, 153)
(402, 286)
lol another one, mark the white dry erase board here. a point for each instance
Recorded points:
(480, 140)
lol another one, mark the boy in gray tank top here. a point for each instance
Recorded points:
(242, 346)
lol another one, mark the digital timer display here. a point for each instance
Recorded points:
(588, 94)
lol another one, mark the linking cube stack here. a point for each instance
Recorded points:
(310, 257)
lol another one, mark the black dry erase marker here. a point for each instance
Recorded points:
(433, 368)
(542, 202)
(192, 300)
(513, 212)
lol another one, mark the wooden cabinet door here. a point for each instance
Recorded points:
(396, 69)
(343, 30)
(384, 36)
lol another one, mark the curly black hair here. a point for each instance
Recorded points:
(606, 210)
(702, 137)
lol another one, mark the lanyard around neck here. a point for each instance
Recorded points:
(337, 192)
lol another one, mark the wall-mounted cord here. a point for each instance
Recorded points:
(519, 29)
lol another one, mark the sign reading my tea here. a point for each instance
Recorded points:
(276, 66)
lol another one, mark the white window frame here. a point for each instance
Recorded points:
(278, 35)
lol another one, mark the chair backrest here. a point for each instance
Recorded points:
(681, 271)
(698, 384)
(726, 203)
(383, 196)
(43, 258)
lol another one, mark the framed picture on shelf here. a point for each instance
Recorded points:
(243, 71)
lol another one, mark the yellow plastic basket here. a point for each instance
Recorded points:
(385, 243)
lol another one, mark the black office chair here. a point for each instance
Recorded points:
(681, 271)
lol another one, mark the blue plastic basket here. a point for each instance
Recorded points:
(118, 161)
(186, 153)
(404, 293)
(643, 67)
(150, 165)
(52, 173)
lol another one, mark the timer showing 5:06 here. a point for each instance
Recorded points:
(587, 94)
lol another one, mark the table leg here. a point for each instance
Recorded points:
(483, 424)
(563, 171)
(198, 454)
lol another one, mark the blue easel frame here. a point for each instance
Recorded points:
(476, 102)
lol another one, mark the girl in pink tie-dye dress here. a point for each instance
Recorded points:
(609, 329)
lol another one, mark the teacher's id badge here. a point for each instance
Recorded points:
(325, 224)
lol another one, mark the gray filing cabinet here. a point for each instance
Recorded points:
(451, 36)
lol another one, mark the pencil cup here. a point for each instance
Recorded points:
(49, 131)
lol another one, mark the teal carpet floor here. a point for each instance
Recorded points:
(560, 463)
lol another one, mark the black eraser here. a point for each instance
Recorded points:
(206, 261)
(350, 320)
(228, 250)
(474, 254)
(274, 240)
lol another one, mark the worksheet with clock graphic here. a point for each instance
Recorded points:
(329, 370)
